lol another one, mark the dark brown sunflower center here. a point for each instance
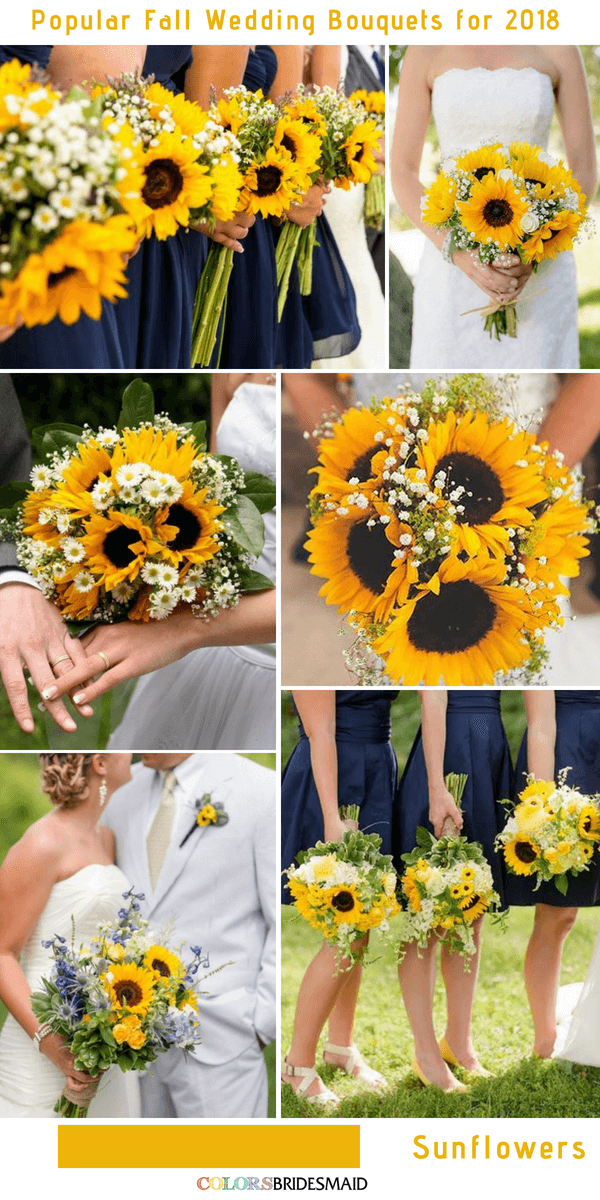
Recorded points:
(164, 182)
(343, 902)
(529, 180)
(161, 967)
(459, 618)
(525, 852)
(481, 172)
(56, 277)
(189, 528)
(128, 992)
(361, 467)
(483, 495)
(472, 902)
(117, 546)
(289, 144)
(587, 824)
(497, 213)
(371, 556)
(90, 487)
(268, 180)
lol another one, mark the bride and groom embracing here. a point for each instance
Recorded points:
(208, 885)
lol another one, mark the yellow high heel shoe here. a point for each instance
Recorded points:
(416, 1070)
(449, 1057)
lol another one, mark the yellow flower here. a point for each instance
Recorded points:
(163, 963)
(521, 854)
(16, 81)
(493, 212)
(324, 866)
(468, 874)
(188, 115)
(189, 529)
(486, 161)
(410, 889)
(588, 825)
(531, 815)
(207, 815)
(345, 460)
(439, 200)
(130, 987)
(540, 789)
(117, 546)
(231, 114)
(270, 186)
(550, 239)
(360, 147)
(358, 564)
(174, 183)
(227, 181)
(136, 1039)
(306, 110)
(303, 147)
(473, 905)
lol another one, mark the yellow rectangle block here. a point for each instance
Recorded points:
(237, 1147)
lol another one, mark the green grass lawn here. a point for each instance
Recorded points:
(502, 1033)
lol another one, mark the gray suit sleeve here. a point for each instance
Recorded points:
(15, 451)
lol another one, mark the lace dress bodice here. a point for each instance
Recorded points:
(475, 105)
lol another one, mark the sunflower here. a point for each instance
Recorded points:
(129, 987)
(550, 239)
(463, 629)
(494, 211)
(117, 546)
(586, 852)
(40, 515)
(493, 464)
(230, 114)
(174, 183)
(486, 161)
(188, 115)
(207, 815)
(345, 459)
(227, 182)
(561, 540)
(73, 274)
(303, 147)
(439, 200)
(156, 449)
(473, 905)
(538, 788)
(344, 903)
(525, 163)
(306, 110)
(364, 141)
(189, 528)
(16, 81)
(73, 601)
(521, 854)
(531, 815)
(90, 465)
(411, 890)
(270, 186)
(358, 561)
(589, 823)
(164, 964)
(468, 874)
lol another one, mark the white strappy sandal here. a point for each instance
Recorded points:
(309, 1074)
(367, 1075)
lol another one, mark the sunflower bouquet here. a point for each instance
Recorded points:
(344, 889)
(500, 199)
(553, 832)
(70, 194)
(276, 158)
(374, 206)
(135, 521)
(447, 885)
(348, 136)
(189, 162)
(123, 1000)
(443, 531)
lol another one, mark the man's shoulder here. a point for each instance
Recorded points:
(131, 795)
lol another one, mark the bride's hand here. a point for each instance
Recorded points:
(80, 1093)
(441, 806)
(229, 233)
(499, 284)
(54, 1048)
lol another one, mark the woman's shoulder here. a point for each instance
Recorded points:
(564, 59)
(39, 849)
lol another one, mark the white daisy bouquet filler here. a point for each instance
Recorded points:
(123, 1000)
(447, 885)
(344, 889)
(136, 521)
(552, 834)
(512, 199)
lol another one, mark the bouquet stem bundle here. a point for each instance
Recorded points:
(285, 255)
(210, 303)
(374, 206)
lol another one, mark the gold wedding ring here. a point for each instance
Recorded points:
(105, 659)
(63, 658)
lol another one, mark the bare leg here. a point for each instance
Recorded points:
(341, 1024)
(416, 973)
(542, 971)
(460, 978)
(319, 993)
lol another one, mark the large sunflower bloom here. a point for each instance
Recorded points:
(231, 114)
(589, 823)
(117, 546)
(270, 186)
(344, 903)
(129, 987)
(345, 459)
(84, 470)
(486, 161)
(502, 480)
(72, 275)
(189, 529)
(303, 147)
(473, 906)
(188, 115)
(306, 110)
(494, 211)
(438, 201)
(157, 450)
(227, 181)
(164, 964)
(550, 239)
(174, 183)
(359, 565)
(463, 633)
(364, 140)
(34, 505)
(521, 854)
(562, 539)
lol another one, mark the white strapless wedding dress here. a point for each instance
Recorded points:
(221, 698)
(472, 106)
(578, 1017)
(30, 1084)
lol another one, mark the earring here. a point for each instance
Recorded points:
(102, 792)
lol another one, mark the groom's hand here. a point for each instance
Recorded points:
(33, 636)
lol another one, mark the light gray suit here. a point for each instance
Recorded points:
(219, 891)
(15, 451)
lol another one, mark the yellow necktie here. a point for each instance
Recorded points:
(161, 829)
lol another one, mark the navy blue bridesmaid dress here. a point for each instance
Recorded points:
(476, 746)
(87, 343)
(577, 746)
(367, 775)
(155, 322)
(330, 310)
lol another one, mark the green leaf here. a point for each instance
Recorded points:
(46, 439)
(11, 495)
(198, 432)
(138, 405)
(261, 491)
(562, 884)
(245, 524)
(253, 581)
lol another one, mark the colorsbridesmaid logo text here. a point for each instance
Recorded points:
(281, 1183)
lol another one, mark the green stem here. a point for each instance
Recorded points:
(208, 305)
(305, 258)
(290, 236)
(374, 206)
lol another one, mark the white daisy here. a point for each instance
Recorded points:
(102, 494)
(73, 551)
(84, 582)
(41, 477)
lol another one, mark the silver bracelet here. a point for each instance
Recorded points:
(40, 1033)
(446, 248)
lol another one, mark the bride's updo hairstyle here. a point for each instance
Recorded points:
(64, 778)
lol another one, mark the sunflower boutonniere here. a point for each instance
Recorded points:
(208, 812)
